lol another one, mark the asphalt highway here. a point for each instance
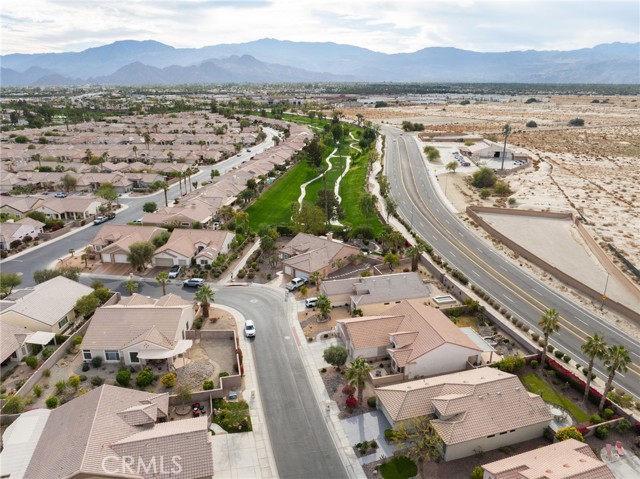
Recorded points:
(526, 297)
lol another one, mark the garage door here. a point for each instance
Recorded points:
(164, 262)
(287, 270)
(302, 274)
(106, 258)
(121, 258)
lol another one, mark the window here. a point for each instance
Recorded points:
(111, 355)
(86, 355)
(492, 435)
(503, 432)
(62, 322)
(133, 357)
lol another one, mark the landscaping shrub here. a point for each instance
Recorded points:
(60, 386)
(97, 381)
(558, 354)
(85, 367)
(534, 364)
(390, 434)
(371, 402)
(550, 348)
(623, 425)
(46, 373)
(602, 432)
(31, 361)
(123, 377)
(37, 390)
(83, 378)
(52, 402)
(351, 402)
(74, 381)
(144, 378)
(477, 473)
(569, 432)
(595, 419)
(566, 358)
(348, 390)
(207, 385)
(13, 405)
(400, 467)
(77, 340)
(223, 374)
(608, 414)
(46, 352)
(96, 361)
(169, 380)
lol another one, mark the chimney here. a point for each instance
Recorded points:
(330, 236)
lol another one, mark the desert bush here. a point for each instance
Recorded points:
(97, 381)
(602, 432)
(96, 361)
(608, 414)
(569, 432)
(371, 402)
(207, 385)
(169, 380)
(37, 390)
(74, 381)
(52, 402)
(534, 364)
(595, 419)
(351, 402)
(85, 367)
(31, 361)
(144, 378)
(348, 390)
(123, 377)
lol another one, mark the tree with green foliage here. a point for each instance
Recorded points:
(452, 166)
(108, 192)
(414, 252)
(313, 151)
(616, 359)
(506, 131)
(163, 279)
(356, 375)
(204, 296)
(323, 304)
(86, 305)
(484, 178)
(308, 219)
(422, 439)
(477, 473)
(68, 272)
(140, 253)
(130, 286)
(335, 355)
(549, 323)
(316, 278)
(13, 405)
(391, 206)
(433, 154)
(569, 432)
(150, 207)
(8, 281)
(593, 347)
(391, 259)
(368, 204)
(68, 182)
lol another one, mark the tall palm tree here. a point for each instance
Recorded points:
(135, 151)
(316, 277)
(549, 323)
(415, 252)
(616, 359)
(594, 347)
(204, 296)
(130, 286)
(165, 187)
(356, 374)
(163, 279)
(506, 131)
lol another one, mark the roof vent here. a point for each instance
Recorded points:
(480, 397)
(518, 388)
(499, 393)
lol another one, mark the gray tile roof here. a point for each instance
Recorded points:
(12, 338)
(378, 289)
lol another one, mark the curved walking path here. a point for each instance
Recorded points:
(303, 186)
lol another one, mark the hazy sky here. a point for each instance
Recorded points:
(392, 26)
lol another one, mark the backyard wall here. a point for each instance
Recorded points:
(473, 211)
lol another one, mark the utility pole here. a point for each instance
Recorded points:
(604, 293)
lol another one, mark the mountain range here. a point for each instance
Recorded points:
(131, 62)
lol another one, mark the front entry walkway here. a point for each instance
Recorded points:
(366, 427)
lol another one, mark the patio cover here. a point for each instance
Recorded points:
(181, 346)
(40, 337)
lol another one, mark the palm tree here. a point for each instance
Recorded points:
(130, 287)
(163, 279)
(204, 296)
(415, 252)
(356, 374)
(549, 323)
(506, 131)
(147, 139)
(316, 277)
(135, 151)
(165, 187)
(616, 359)
(594, 347)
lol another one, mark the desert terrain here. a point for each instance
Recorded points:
(592, 170)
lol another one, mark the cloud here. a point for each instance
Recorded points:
(31, 26)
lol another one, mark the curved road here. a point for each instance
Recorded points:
(300, 440)
(524, 296)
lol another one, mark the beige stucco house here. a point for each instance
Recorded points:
(420, 340)
(48, 306)
(203, 246)
(140, 329)
(474, 410)
(112, 242)
(19, 230)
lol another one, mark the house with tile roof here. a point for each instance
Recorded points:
(203, 246)
(109, 432)
(112, 242)
(140, 329)
(20, 205)
(374, 294)
(47, 307)
(182, 215)
(420, 340)
(307, 253)
(568, 459)
(11, 231)
(13, 341)
(474, 410)
(72, 207)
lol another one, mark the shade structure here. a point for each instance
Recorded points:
(40, 337)
(181, 346)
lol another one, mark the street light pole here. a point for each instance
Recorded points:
(604, 293)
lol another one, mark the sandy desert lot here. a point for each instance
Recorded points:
(592, 170)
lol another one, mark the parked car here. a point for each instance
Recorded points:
(174, 272)
(310, 302)
(138, 221)
(60, 194)
(249, 329)
(100, 219)
(295, 283)
(193, 282)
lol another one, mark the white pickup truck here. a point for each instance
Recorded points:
(295, 283)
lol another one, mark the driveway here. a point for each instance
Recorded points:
(366, 427)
